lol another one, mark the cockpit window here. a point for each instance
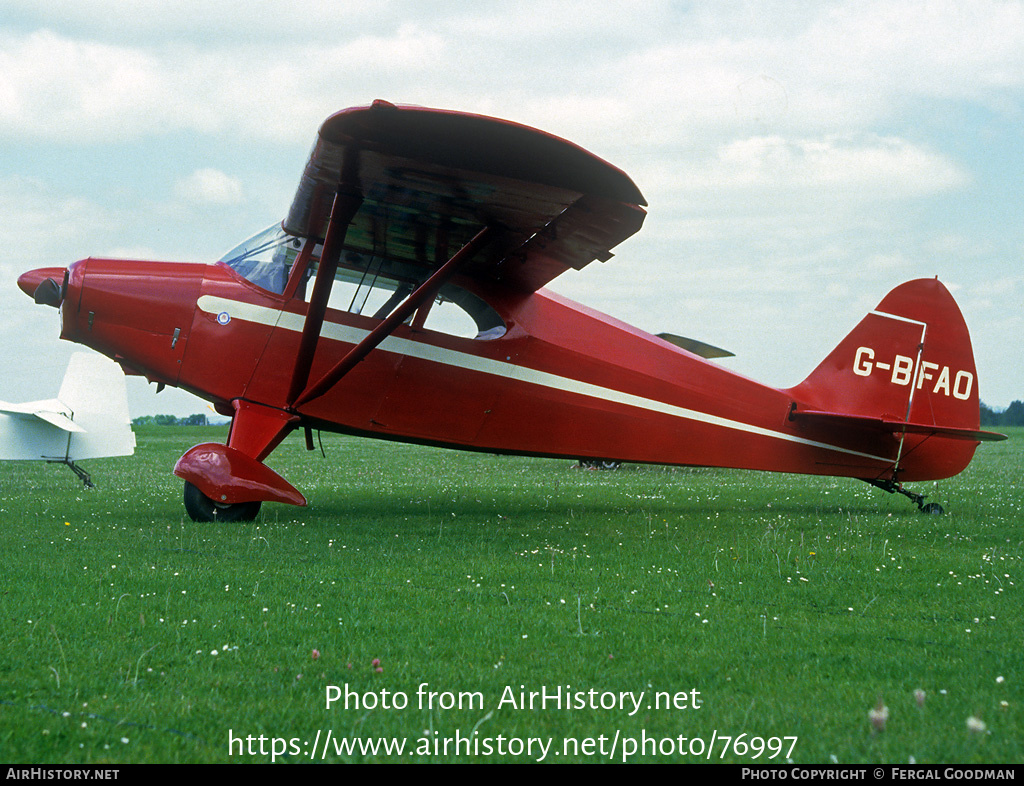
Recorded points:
(265, 258)
(360, 288)
(363, 284)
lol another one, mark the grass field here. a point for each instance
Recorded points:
(792, 605)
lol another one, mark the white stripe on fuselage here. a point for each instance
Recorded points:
(333, 331)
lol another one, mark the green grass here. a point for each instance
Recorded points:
(793, 605)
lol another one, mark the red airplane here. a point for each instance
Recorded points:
(335, 320)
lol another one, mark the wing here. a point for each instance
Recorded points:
(51, 411)
(35, 430)
(430, 180)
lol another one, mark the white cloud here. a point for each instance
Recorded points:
(663, 74)
(73, 91)
(784, 147)
(41, 222)
(210, 187)
(872, 166)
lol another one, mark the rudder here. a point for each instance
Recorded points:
(95, 391)
(907, 368)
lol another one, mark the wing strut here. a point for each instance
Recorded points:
(424, 292)
(346, 204)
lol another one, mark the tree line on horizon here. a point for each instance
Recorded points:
(171, 420)
(1013, 415)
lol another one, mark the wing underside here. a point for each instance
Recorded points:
(430, 180)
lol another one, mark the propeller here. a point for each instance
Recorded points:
(48, 293)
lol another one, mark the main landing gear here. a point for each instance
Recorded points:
(598, 464)
(895, 487)
(201, 508)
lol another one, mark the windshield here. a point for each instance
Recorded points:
(265, 258)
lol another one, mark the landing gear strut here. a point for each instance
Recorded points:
(201, 508)
(83, 476)
(895, 487)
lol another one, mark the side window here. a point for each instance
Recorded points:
(362, 287)
(459, 312)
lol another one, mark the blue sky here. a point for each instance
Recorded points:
(800, 160)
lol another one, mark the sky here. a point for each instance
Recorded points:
(799, 159)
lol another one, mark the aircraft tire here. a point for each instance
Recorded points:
(933, 509)
(599, 464)
(201, 508)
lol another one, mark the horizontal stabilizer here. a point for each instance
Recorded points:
(698, 348)
(61, 421)
(50, 410)
(898, 426)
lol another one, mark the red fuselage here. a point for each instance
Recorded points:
(334, 319)
(563, 381)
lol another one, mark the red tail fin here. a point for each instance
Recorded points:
(907, 368)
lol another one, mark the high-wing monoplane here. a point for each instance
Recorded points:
(88, 419)
(403, 297)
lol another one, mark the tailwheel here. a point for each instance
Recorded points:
(894, 487)
(201, 508)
